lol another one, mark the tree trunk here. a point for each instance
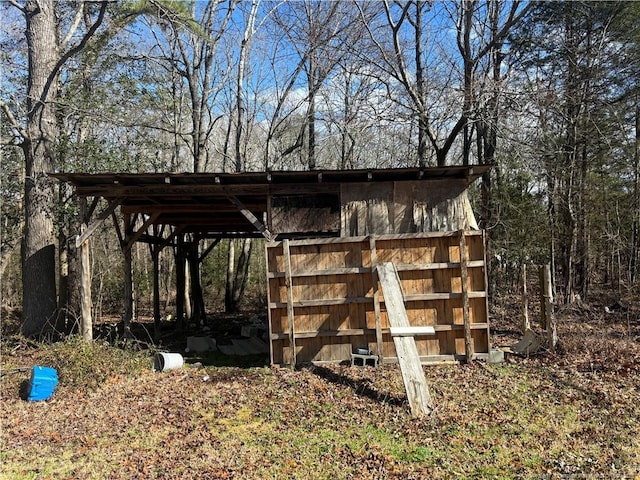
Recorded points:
(635, 242)
(198, 313)
(180, 283)
(242, 275)
(86, 301)
(231, 263)
(127, 295)
(38, 245)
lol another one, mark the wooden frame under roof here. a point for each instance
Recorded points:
(226, 205)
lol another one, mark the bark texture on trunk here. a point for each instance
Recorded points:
(38, 245)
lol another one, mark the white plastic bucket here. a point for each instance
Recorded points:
(167, 361)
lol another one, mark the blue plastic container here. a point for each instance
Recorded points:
(43, 383)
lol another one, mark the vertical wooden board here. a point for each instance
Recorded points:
(315, 292)
(402, 202)
(430, 313)
(445, 317)
(391, 251)
(454, 252)
(421, 345)
(353, 258)
(384, 316)
(274, 257)
(280, 320)
(341, 320)
(379, 219)
(455, 285)
(309, 350)
(290, 302)
(455, 306)
(445, 346)
(350, 254)
(459, 340)
(352, 307)
(277, 289)
(277, 347)
(361, 307)
(464, 275)
(476, 247)
(413, 314)
(388, 347)
(476, 279)
(425, 277)
(477, 306)
(338, 350)
(441, 281)
(481, 340)
(412, 257)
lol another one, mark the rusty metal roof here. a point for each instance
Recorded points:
(222, 204)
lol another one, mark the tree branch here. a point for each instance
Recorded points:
(74, 50)
(17, 5)
(13, 123)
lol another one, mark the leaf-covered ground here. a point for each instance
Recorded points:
(575, 413)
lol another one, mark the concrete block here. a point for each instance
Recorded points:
(496, 356)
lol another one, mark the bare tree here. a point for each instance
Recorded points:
(48, 53)
(315, 34)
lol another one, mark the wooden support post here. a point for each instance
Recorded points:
(376, 296)
(155, 255)
(290, 312)
(552, 333)
(464, 281)
(90, 228)
(415, 382)
(180, 282)
(198, 311)
(526, 325)
(127, 297)
(543, 303)
(85, 275)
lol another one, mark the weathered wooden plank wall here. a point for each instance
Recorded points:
(333, 298)
(406, 207)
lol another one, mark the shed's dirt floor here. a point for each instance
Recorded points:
(574, 413)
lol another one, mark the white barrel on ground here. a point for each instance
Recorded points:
(163, 361)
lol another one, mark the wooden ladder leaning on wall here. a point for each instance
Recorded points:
(415, 382)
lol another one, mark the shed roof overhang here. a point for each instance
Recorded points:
(233, 204)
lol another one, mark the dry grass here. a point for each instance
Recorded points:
(574, 413)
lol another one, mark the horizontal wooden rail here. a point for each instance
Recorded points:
(366, 270)
(363, 331)
(411, 331)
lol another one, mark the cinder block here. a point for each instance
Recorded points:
(496, 356)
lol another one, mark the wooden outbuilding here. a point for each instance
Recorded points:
(325, 231)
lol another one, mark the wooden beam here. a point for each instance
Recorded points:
(127, 293)
(208, 250)
(464, 280)
(86, 302)
(376, 296)
(411, 331)
(116, 224)
(526, 324)
(99, 221)
(547, 288)
(290, 312)
(176, 231)
(251, 217)
(92, 208)
(415, 382)
(136, 235)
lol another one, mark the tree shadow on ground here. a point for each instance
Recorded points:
(360, 386)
